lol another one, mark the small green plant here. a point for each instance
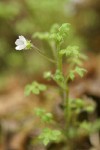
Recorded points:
(72, 108)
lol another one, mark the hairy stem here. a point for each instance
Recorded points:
(66, 90)
(39, 52)
(59, 59)
(67, 107)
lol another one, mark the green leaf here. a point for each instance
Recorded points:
(90, 109)
(35, 84)
(77, 104)
(80, 103)
(48, 117)
(71, 51)
(86, 126)
(58, 76)
(34, 88)
(89, 127)
(80, 71)
(71, 75)
(49, 135)
(58, 37)
(62, 52)
(46, 141)
(45, 117)
(65, 27)
(42, 87)
(47, 75)
(28, 89)
(76, 61)
(40, 111)
(58, 33)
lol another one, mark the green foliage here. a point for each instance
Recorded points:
(63, 31)
(72, 75)
(40, 112)
(73, 55)
(25, 18)
(90, 109)
(71, 51)
(72, 107)
(80, 71)
(87, 127)
(45, 117)
(35, 88)
(48, 135)
(47, 75)
(56, 33)
(58, 76)
(79, 105)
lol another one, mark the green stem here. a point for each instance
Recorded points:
(60, 63)
(59, 59)
(39, 52)
(66, 90)
(70, 68)
(67, 100)
(67, 107)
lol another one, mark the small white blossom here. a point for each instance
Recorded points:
(21, 43)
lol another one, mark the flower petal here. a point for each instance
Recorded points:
(19, 42)
(20, 47)
(22, 38)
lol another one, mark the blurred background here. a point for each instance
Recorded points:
(25, 17)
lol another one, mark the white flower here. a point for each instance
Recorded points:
(21, 43)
